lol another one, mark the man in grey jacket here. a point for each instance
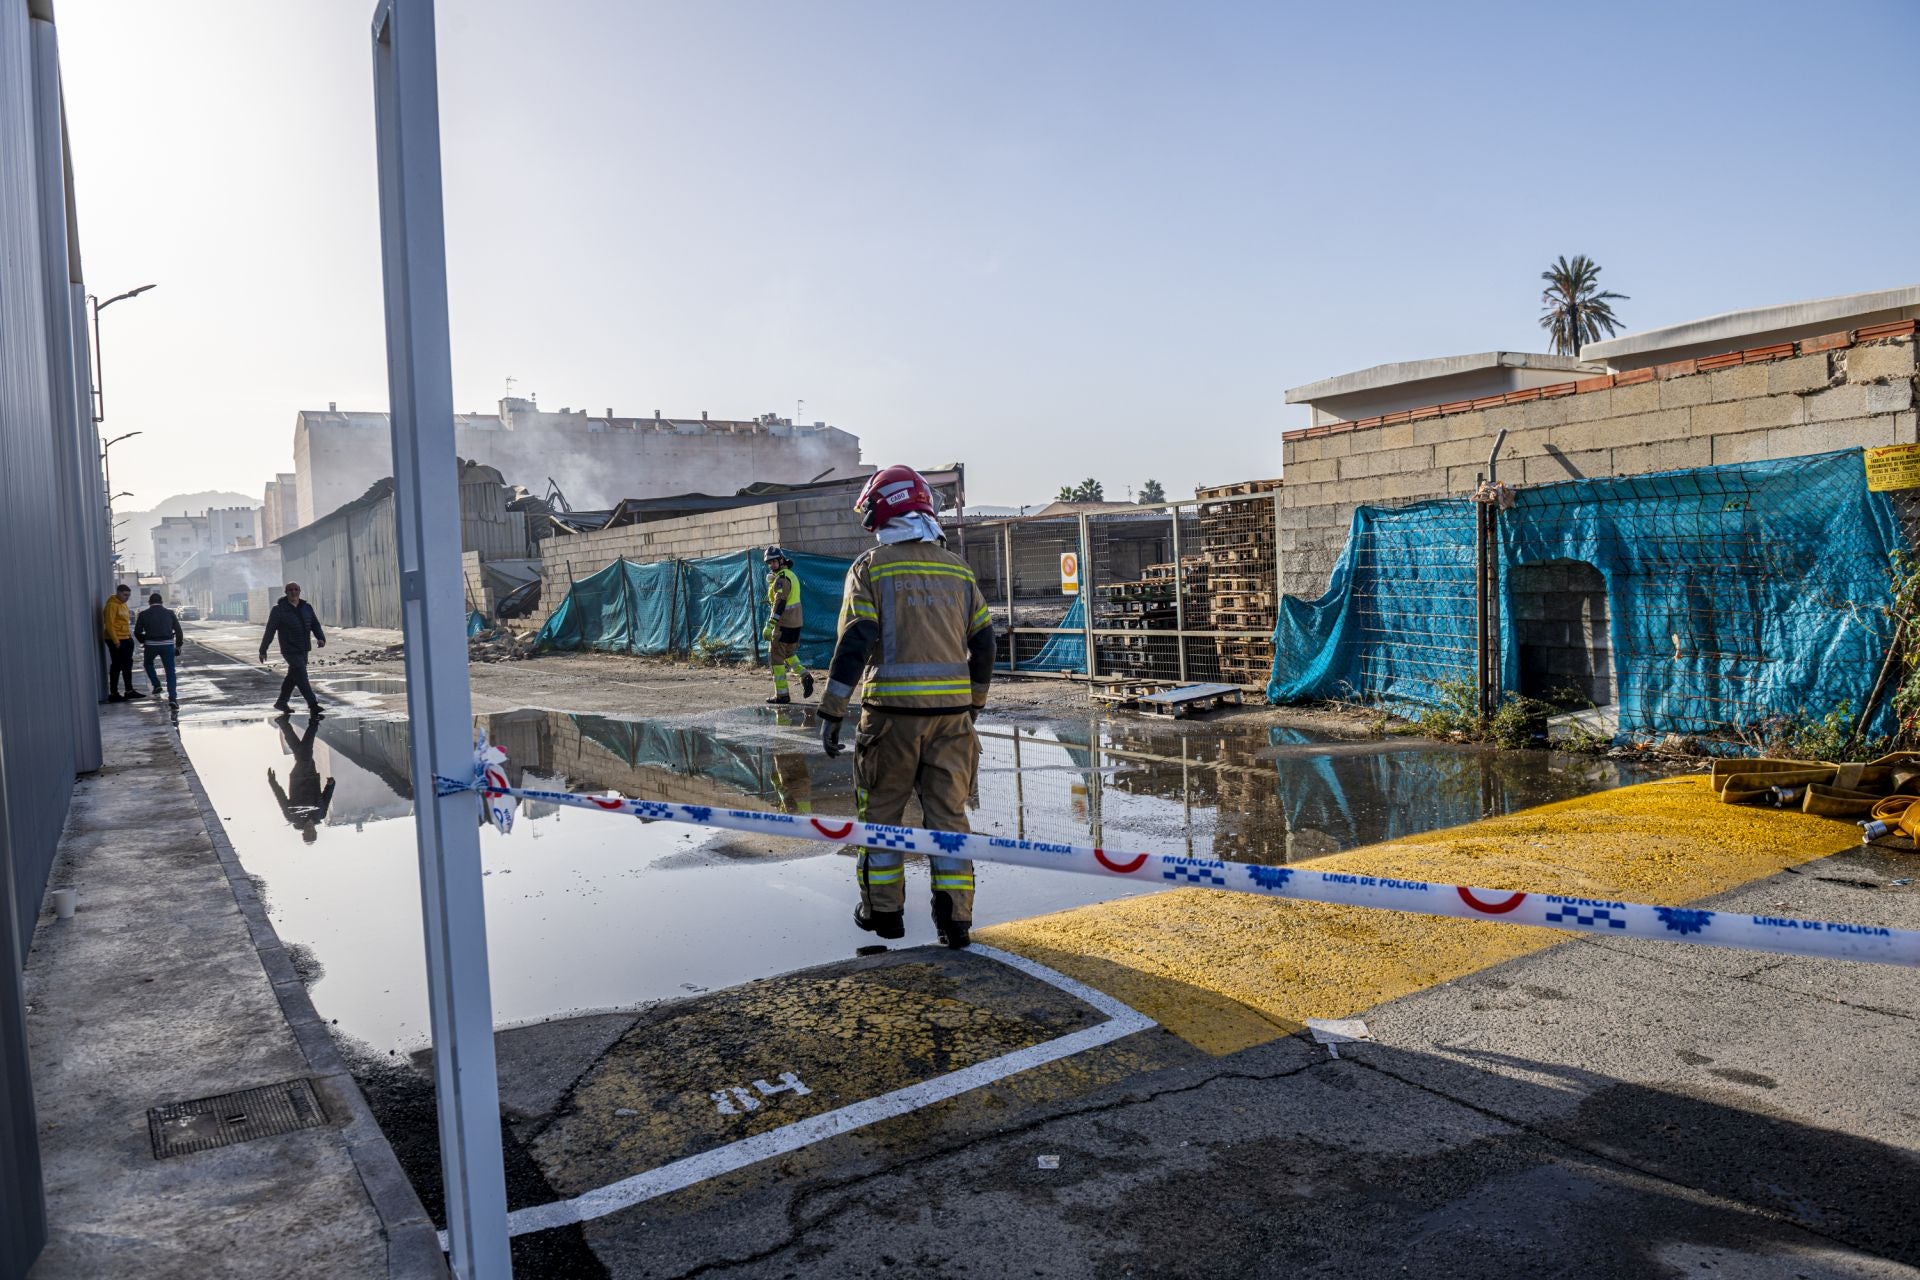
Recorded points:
(158, 631)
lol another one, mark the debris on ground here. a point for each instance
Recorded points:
(1673, 748)
(497, 644)
(500, 644)
(379, 653)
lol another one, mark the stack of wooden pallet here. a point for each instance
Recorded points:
(1144, 606)
(1238, 542)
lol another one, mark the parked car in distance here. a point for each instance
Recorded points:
(189, 614)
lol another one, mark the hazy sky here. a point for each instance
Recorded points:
(1047, 239)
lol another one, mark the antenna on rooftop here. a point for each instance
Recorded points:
(510, 381)
(799, 412)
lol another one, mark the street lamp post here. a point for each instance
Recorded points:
(99, 361)
(106, 465)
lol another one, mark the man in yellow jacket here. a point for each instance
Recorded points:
(782, 632)
(914, 624)
(116, 632)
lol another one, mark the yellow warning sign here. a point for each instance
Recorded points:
(1897, 466)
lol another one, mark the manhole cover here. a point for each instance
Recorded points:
(206, 1123)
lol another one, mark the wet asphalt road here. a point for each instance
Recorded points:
(1598, 1108)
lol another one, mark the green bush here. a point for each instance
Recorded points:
(708, 652)
(1516, 722)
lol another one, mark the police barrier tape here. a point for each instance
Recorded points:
(1778, 934)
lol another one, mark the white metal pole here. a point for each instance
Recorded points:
(427, 529)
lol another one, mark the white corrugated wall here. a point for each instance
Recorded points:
(53, 525)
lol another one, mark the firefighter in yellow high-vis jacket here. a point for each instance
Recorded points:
(783, 627)
(913, 622)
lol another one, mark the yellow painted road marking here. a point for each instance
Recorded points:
(1226, 971)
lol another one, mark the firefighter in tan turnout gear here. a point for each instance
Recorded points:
(783, 627)
(913, 620)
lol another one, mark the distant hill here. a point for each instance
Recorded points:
(192, 504)
(137, 532)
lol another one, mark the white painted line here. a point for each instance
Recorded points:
(1121, 1021)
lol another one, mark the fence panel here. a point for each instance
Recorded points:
(1048, 635)
(1167, 593)
(1230, 584)
(1135, 606)
(1716, 602)
(1398, 623)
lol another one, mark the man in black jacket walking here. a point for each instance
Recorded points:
(158, 631)
(294, 623)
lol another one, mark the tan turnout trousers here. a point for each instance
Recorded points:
(897, 757)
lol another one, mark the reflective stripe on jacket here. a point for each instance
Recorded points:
(923, 608)
(783, 597)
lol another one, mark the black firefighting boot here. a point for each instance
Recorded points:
(806, 684)
(953, 933)
(779, 700)
(887, 924)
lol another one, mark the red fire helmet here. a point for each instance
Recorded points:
(891, 493)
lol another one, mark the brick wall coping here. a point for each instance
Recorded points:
(1678, 369)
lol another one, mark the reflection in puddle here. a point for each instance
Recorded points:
(362, 684)
(589, 912)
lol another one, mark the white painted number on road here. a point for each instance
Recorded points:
(738, 1099)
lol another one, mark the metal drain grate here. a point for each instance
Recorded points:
(206, 1123)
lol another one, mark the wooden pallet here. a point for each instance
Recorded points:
(1137, 590)
(1243, 488)
(1189, 567)
(1123, 692)
(1241, 558)
(1239, 535)
(1189, 700)
(1165, 697)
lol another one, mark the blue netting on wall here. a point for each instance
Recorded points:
(1733, 596)
(671, 606)
(1397, 618)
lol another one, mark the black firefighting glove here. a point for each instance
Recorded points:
(830, 735)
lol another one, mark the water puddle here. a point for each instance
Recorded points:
(361, 684)
(588, 912)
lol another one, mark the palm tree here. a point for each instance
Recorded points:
(1088, 490)
(1577, 310)
(1152, 492)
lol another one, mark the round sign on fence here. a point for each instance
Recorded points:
(1070, 573)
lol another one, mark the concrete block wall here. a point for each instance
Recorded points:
(1560, 625)
(820, 525)
(478, 596)
(1846, 390)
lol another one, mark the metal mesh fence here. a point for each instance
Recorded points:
(1232, 587)
(1182, 592)
(1414, 600)
(1135, 613)
(1710, 602)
